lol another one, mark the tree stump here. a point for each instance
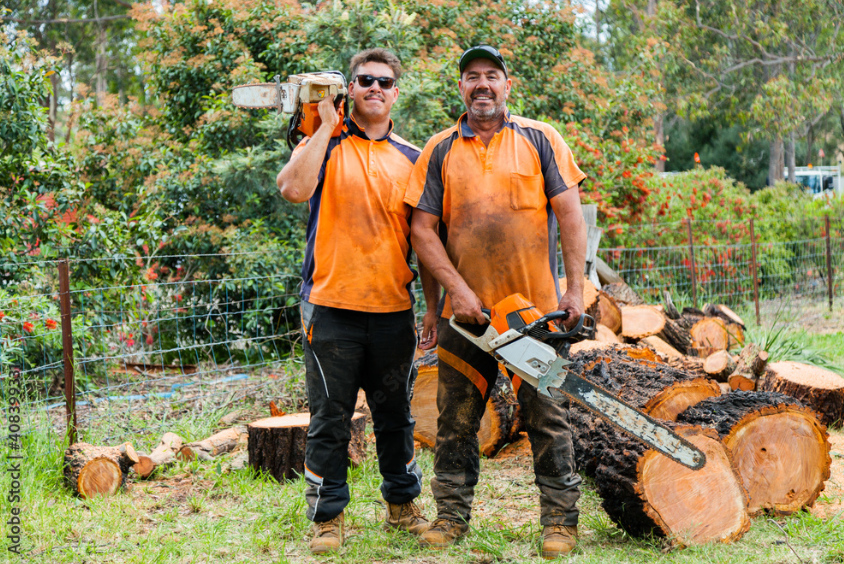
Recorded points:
(719, 365)
(501, 419)
(647, 493)
(276, 445)
(779, 448)
(163, 455)
(219, 443)
(817, 388)
(93, 470)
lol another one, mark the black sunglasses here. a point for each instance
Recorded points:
(366, 80)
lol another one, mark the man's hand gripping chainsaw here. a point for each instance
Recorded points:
(531, 346)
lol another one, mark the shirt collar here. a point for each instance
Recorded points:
(466, 131)
(356, 129)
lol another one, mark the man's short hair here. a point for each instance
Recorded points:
(376, 55)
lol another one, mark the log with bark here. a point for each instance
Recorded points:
(643, 321)
(97, 470)
(752, 360)
(719, 365)
(712, 334)
(500, 423)
(276, 445)
(779, 448)
(639, 379)
(817, 388)
(670, 309)
(219, 443)
(647, 493)
(724, 313)
(162, 455)
(622, 294)
(609, 313)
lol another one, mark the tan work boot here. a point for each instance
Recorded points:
(328, 535)
(443, 533)
(558, 540)
(406, 517)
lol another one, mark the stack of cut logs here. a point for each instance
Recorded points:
(761, 425)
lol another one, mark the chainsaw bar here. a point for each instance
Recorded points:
(627, 418)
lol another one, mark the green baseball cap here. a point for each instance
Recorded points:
(482, 52)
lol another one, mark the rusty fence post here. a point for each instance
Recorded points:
(829, 272)
(694, 267)
(755, 268)
(67, 351)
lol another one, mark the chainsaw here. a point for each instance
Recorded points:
(531, 346)
(299, 96)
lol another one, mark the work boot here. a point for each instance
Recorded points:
(558, 540)
(328, 535)
(443, 533)
(406, 517)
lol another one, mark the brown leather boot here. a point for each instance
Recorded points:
(406, 517)
(442, 533)
(558, 540)
(328, 535)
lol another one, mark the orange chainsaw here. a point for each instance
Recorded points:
(531, 345)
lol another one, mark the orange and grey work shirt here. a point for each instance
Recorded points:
(358, 234)
(496, 220)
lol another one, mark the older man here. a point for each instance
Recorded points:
(488, 194)
(357, 319)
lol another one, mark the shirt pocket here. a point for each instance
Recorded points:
(527, 191)
(395, 200)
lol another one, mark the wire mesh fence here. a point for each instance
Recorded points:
(151, 333)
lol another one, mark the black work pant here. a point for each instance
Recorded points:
(467, 375)
(345, 351)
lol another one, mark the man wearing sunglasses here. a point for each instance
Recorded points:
(357, 318)
(499, 184)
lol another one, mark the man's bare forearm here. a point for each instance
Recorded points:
(432, 254)
(569, 215)
(430, 287)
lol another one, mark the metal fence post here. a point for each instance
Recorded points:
(694, 268)
(755, 271)
(829, 262)
(67, 351)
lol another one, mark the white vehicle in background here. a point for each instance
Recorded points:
(819, 181)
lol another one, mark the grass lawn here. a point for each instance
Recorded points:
(218, 512)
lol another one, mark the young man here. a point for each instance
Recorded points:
(357, 319)
(498, 183)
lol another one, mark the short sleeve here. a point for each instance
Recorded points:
(558, 167)
(426, 188)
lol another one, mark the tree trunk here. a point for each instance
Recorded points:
(659, 135)
(791, 158)
(54, 105)
(817, 388)
(779, 447)
(277, 444)
(91, 470)
(810, 140)
(776, 165)
(500, 423)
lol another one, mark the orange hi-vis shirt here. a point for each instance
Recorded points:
(496, 220)
(358, 235)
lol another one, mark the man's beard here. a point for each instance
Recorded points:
(489, 113)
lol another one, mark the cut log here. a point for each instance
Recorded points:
(742, 382)
(817, 388)
(606, 275)
(605, 334)
(662, 347)
(641, 321)
(276, 445)
(500, 418)
(725, 388)
(590, 298)
(647, 493)
(723, 312)
(163, 455)
(610, 313)
(712, 334)
(779, 448)
(677, 336)
(216, 444)
(719, 365)
(645, 383)
(623, 294)
(752, 360)
(94, 470)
